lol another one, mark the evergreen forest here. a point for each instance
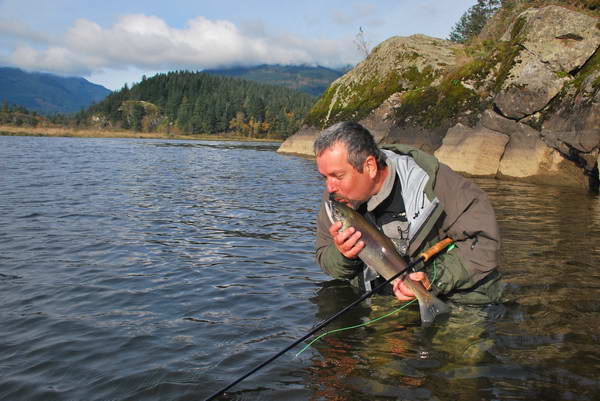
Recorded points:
(185, 102)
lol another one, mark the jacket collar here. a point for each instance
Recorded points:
(386, 188)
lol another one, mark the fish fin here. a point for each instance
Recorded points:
(429, 310)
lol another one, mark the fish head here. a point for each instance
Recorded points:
(338, 211)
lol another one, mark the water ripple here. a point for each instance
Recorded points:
(148, 269)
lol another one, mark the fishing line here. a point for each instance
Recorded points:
(354, 327)
(372, 320)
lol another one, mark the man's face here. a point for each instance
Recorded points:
(342, 180)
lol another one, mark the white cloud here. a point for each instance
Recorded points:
(149, 43)
(54, 59)
(16, 29)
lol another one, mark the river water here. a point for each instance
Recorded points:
(164, 270)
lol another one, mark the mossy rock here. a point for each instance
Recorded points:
(396, 65)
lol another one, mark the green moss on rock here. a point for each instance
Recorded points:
(356, 101)
(433, 106)
(591, 66)
(318, 112)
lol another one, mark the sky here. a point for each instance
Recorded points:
(112, 43)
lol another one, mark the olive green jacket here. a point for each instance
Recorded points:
(458, 209)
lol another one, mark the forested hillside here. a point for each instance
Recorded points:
(198, 103)
(312, 80)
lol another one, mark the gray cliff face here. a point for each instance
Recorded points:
(529, 109)
(555, 43)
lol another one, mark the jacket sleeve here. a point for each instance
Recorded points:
(471, 222)
(332, 262)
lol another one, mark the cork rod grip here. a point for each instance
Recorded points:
(435, 249)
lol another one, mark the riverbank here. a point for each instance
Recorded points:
(8, 130)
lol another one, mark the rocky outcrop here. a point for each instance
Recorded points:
(301, 143)
(526, 156)
(573, 125)
(550, 99)
(554, 42)
(373, 91)
(523, 104)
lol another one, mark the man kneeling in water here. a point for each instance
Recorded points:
(416, 201)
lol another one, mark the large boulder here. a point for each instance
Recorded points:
(524, 142)
(576, 118)
(524, 156)
(529, 88)
(371, 91)
(472, 151)
(555, 42)
(528, 158)
(396, 65)
(562, 38)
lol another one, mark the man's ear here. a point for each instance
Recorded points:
(371, 166)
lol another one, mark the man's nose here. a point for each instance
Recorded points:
(331, 187)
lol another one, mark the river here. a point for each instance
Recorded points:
(163, 270)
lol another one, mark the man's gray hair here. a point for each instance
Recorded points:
(358, 140)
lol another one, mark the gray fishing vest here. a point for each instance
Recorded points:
(418, 207)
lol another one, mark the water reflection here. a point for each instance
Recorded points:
(395, 357)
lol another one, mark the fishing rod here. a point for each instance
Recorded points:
(424, 257)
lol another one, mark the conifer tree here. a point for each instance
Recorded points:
(473, 20)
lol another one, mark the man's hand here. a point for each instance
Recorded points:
(347, 241)
(403, 292)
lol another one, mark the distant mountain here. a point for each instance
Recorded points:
(311, 80)
(48, 93)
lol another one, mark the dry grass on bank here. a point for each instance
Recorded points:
(91, 133)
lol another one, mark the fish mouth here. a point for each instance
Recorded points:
(332, 213)
(329, 208)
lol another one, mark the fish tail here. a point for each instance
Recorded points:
(430, 308)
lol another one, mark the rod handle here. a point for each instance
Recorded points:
(435, 249)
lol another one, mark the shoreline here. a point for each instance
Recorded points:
(7, 130)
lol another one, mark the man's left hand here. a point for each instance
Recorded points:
(401, 290)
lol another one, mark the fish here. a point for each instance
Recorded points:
(380, 254)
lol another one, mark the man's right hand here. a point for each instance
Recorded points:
(347, 241)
